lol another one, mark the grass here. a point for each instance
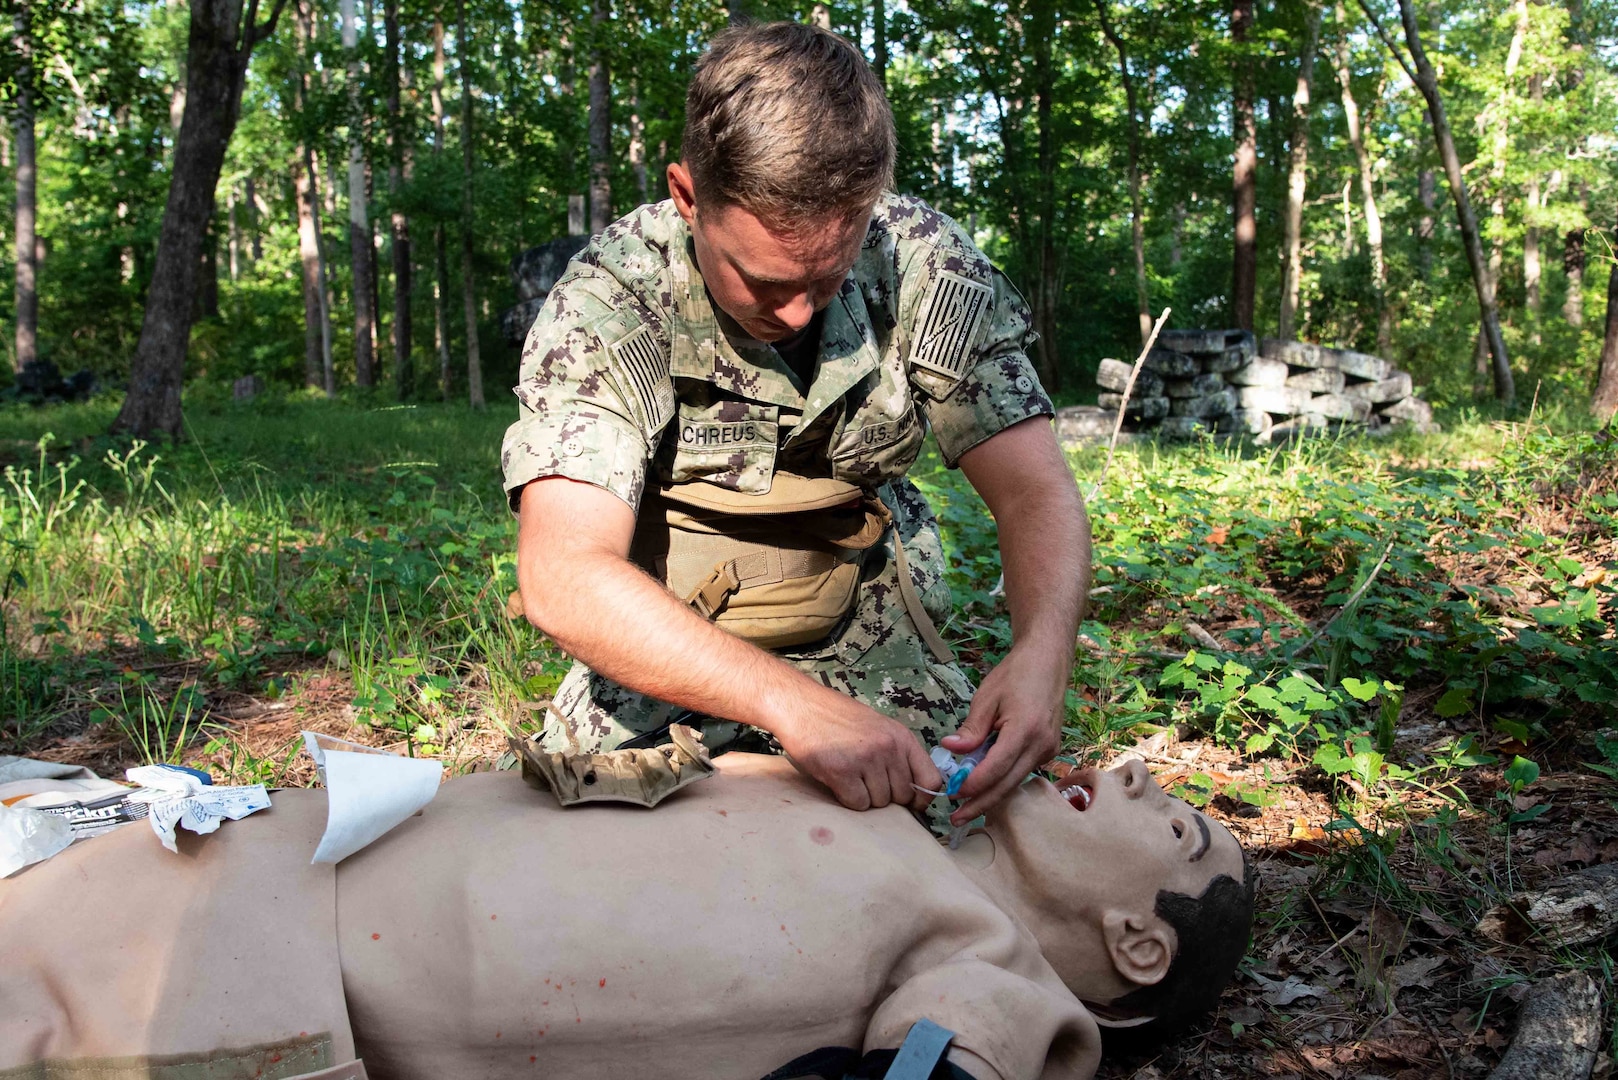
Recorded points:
(273, 542)
(1342, 582)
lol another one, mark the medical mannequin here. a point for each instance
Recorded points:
(745, 921)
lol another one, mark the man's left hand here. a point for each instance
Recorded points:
(1023, 699)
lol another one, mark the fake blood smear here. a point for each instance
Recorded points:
(821, 835)
(376, 937)
(603, 982)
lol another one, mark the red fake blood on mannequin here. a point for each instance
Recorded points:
(821, 835)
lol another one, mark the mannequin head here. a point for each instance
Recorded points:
(1142, 903)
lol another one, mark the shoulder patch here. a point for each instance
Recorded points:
(645, 367)
(948, 326)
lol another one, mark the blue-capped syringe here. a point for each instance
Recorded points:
(955, 770)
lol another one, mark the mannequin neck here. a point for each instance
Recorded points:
(998, 858)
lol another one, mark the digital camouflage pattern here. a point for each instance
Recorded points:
(876, 656)
(630, 374)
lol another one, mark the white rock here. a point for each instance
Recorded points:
(1275, 399)
(1260, 372)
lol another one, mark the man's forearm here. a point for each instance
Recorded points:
(1045, 554)
(578, 586)
(1044, 533)
(602, 609)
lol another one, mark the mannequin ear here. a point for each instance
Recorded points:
(1141, 948)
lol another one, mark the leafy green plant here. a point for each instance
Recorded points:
(242, 766)
(1518, 775)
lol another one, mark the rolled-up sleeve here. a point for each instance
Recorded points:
(979, 379)
(581, 413)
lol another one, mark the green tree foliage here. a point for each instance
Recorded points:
(1045, 191)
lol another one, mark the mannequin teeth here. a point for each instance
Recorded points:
(1079, 797)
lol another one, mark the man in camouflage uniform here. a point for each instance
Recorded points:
(781, 312)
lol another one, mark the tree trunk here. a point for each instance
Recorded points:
(1042, 27)
(404, 372)
(1426, 81)
(879, 40)
(1499, 119)
(1137, 219)
(600, 119)
(317, 358)
(27, 285)
(1244, 291)
(1605, 402)
(474, 360)
(208, 275)
(234, 239)
(373, 242)
(255, 241)
(1573, 266)
(1537, 199)
(1373, 218)
(1298, 175)
(637, 147)
(1427, 192)
(361, 254)
(219, 44)
(314, 324)
(440, 254)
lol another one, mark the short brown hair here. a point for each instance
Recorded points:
(788, 122)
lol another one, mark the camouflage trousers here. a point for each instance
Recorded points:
(876, 656)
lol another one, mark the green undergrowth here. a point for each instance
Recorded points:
(1392, 613)
(1346, 590)
(277, 539)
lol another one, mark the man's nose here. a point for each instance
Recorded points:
(795, 312)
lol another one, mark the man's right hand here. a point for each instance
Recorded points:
(867, 760)
(578, 586)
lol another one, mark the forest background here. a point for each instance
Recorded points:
(392, 156)
(1402, 669)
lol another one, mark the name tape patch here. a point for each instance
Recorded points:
(947, 330)
(697, 437)
(646, 368)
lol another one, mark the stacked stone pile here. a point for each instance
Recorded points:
(1226, 381)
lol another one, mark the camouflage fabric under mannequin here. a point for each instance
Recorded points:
(631, 376)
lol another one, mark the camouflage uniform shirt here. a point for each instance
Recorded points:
(630, 374)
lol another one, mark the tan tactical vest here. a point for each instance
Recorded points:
(777, 569)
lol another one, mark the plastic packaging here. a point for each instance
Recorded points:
(28, 836)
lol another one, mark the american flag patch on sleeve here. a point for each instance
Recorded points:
(948, 327)
(644, 366)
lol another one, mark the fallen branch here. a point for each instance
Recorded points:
(1576, 910)
(1202, 637)
(1129, 388)
(1558, 1031)
(1352, 600)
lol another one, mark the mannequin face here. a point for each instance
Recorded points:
(1091, 854)
(770, 282)
(1135, 839)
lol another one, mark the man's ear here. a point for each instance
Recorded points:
(682, 190)
(1141, 948)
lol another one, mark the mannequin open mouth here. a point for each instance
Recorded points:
(1078, 796)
